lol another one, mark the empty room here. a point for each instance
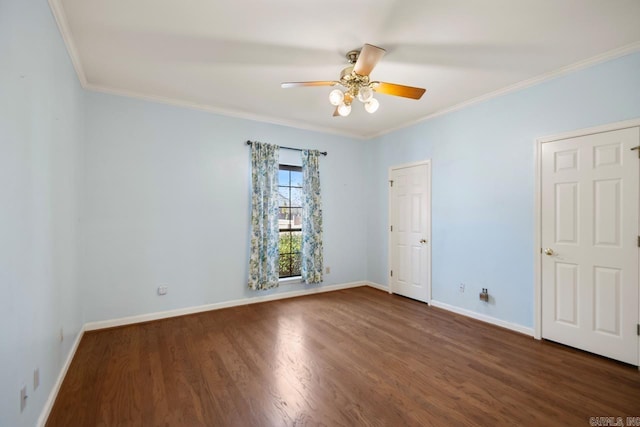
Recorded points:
(286, 213)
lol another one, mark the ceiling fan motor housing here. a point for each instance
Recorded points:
(346, 73)
(352, 81)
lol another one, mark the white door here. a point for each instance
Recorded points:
(410, 231)
(590, 197)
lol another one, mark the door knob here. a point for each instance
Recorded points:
(423, 240)
(549, 252)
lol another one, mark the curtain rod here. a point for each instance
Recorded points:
(324, 153)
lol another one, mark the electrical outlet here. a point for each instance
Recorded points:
(162, 290)
(23, 398)
(36, 378)
(461, 287)
(327, 270)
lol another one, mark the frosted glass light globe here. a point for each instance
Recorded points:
(336, 97)
(365, 94)
(372, 106)
(344, 110)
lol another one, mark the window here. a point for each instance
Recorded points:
(290, 220)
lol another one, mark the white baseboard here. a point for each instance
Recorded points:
(42, 419)
(91, 326)
(483, 317)
(378, 286)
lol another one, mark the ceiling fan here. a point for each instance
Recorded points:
(355, 80)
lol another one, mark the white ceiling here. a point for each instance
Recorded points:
(231, 56)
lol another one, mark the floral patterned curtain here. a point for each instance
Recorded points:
(311, 218)
(263, 260)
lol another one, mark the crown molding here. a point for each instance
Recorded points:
(61, 20)
(60, 16)
(220, 111)
(594, 60)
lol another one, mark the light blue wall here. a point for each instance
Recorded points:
(483, 182)
(163, 194)
(166, 202)
(41, 126)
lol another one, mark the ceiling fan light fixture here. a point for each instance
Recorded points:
(344, 110)
(336, 97)
(371, 106)
(365, 94)
(356, 83)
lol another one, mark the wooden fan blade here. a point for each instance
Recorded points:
(316, 83)
(399, 90)
(335, 112)
(368, 58)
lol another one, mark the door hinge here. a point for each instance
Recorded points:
(639, 241)
(391, 229)
(391, 273)
(391, 182)
(637, 148)
(638, 329)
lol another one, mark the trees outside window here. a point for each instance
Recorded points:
(290, 220)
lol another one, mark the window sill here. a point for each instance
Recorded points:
(290, 280)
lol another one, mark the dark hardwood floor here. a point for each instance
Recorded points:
(353, 357)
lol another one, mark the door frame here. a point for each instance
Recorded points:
(537, 244)
(426, 162)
